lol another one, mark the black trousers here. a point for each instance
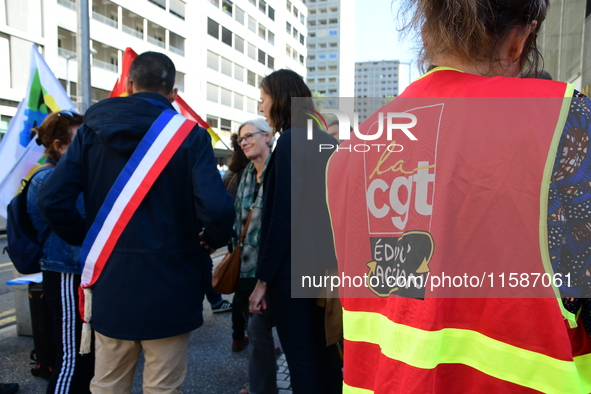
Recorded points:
(314, 368)
(73, 372)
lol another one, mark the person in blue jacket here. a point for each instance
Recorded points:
(60, 264)
(149, 295)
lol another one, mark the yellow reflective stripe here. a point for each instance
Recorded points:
(427, 349)
(544, 193)
(583, 364)
(438, 69)
(354, 390)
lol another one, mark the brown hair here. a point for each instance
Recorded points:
(474, 29)
(282, 85)
(56, 126)
(238, 161)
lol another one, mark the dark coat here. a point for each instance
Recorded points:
(152, 285)
(296, 237)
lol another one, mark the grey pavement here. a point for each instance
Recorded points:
(212, 368)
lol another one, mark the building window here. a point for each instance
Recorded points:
(251, 78)
(226, 97)
(295, 33)
(238, 72)
(288, 27)
(322, 45)
(4, 122)
(213, 61)
(213, 28)
(333, 44)
(226, 67)
(227, 7)
(252, 24)
(271, 62)
(270, 37)
(333, 21)
(295, 12)
(252, 106)
(287, 50)
(213, 122)
(239, 44)
(225, 124)
(238, 101)
(212, 92)
(262, 57)
(301, 59)
(239, 15)
(288, 4)
(226, 36)
(263, 6)
(271, 12)
(302, 39)
(252, 52)
(262, 32)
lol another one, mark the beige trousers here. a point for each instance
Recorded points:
(165, 364)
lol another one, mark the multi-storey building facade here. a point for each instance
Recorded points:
(565, 42)
(376, 83)
(331, 52)
(221, 48)
(243, 42)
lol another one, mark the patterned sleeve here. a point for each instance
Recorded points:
(569, 209)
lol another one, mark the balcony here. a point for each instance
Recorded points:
(133, 32)
(66, 53)
(68, 4)
(155, 41)
(104, 19)
(104, 65)
(178, 51)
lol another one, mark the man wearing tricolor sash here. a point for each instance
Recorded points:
(152, 191)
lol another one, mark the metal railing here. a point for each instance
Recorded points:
(104, 19)
(66, 53)
(133, 32)
(154, 41)
(68, 4)
(176, 50)
(105, 65)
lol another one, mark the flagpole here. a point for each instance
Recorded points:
(83, 89)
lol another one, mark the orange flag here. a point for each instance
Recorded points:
(120, 90)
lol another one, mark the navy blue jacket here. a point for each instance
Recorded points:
(57, 255)
(152, 285)
(296, 237)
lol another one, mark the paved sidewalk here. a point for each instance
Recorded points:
(213, 367)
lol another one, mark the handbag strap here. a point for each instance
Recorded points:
(231, 181)
(243, 235)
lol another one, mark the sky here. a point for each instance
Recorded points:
(376, 37)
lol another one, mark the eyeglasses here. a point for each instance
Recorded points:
(248, 137)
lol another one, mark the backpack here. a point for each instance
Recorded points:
(22, 237)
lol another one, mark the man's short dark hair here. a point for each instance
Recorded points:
(154, 72)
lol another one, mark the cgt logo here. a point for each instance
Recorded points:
(345, 124)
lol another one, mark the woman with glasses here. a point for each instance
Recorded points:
(255, 140)
(61, 265)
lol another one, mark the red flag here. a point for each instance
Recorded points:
(120, 90)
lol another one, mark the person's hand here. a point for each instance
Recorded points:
(256, 301)
(204, 243)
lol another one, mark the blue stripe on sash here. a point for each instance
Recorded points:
(123, 178)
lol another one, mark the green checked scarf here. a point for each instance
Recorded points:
(244, 200)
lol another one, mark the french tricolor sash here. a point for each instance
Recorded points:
(153, 153)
